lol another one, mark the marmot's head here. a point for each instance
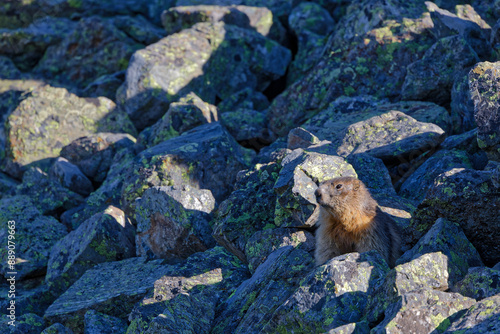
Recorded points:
(343, 196)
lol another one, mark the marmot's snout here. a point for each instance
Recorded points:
(320, 195)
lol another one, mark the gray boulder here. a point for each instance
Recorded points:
(479, 283)
(248, 127)
(210, 59)
(99, 323)
(57, 328)
(35, 235)
(173, 223)
(246, 98)
(71, 177)
(482, 317)
(105, 237)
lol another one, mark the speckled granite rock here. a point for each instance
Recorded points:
(35, 235)
(296, 184)
(466, 197)
(188, 113)
(249, 208)
(173, 223)
(479, 283)
(58, 118)
(484, 89)
(105, 237)
(482, 317)
(209, 59)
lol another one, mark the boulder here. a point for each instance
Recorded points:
(479, 283)
(254, 301)
(97, 323)
(34, 236)
(248, 127)
(206, 157)
(94, 153)
(71, 177)
(248, 209)
(483, 90)
(173, 223)
(482, 317)
(26, 323)
(462, 105)
(94, 48)
(465, 197)
(57, 328)
(105, 237)
(7, 185)
(188, 113)
(139, 28)
(48, 195)
(26, 46)
(105, 85)
(50, 118)
(210, 59)
(246, 98)
(448, 238)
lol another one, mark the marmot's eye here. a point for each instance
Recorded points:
(338, 186)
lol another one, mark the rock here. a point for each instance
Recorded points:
(215, 273)
(416, 186)
(263, 243)
(47, 195)
(483, 90)
(8, 69)
(244, 99)
(248, 127)
(25, 324)
(94, 48)
(466, 141)
(482, 317)
(32, 296)
(392, 137)
(51, 118)
(206, 157)
(296, 184)
(173, 223)
(320, 301)
(105, 237)
(211, 60)
(431, 78)
(106, 85)
(448, 238)
(97, 323)
(311, 24)
(57, 328)
(71, 177)
(253, 303)
(109, 193)
(301, 138)
(467, 24)
(139, 29)
(462, 106)
(479, 283)
(372, 63)
(188, 113)
(422, 312)
(352, 328)
(94, 153)
(429, 271)
(185, 314)
(7, 185)
(258, 18)
(26, 46)
(249, 208)
(34, 236)
(466, 197)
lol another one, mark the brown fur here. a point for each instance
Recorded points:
(350, 221)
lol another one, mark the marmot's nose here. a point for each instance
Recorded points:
(319, 194)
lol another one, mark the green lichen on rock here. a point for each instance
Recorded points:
(479, 283)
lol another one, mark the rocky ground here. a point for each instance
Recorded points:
(159, 159)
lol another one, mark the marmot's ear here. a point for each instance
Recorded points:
(356, 185)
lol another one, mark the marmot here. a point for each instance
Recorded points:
(350, 221)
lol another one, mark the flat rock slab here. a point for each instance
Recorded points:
(210, 59)
(35, 235)
(50, 118)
